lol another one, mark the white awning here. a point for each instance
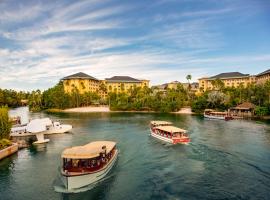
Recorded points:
(90, 150)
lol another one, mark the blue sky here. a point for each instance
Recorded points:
(162, 40)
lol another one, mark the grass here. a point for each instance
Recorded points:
(54, 110)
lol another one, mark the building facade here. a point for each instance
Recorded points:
(86, 83)
(261, 78)
(82, 82)
(193, 87)
(230, 79)
(120, 84)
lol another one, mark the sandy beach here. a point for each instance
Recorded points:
(185, 111)
(89, 109)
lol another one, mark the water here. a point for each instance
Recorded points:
(226, 160)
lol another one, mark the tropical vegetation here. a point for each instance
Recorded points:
(223, 97)
(145, 99)
(5, 126)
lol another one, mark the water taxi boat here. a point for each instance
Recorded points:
(211, 114)
(168, 133)
(84, 165)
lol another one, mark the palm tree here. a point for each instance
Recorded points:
(188, 77)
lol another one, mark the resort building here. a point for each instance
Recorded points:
(86, 83)
(188, 86)
(261, 78)
(230, 79)
(82, 82)
(120, 84)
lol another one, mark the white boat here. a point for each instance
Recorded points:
(211, 114)
(32, 128)
(50, 127)
(39, 128)
(164, 131)
(55, 127)
(88, 164)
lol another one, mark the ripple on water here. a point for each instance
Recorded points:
(225, 160)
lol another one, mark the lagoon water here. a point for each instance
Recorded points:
(225, 160)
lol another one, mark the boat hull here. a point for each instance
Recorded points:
(217, 117)
(170, 140)
(79, 181)
(61, 129)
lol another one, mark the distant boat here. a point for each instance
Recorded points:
(88, 164)
(164, 131)
(211, 114)
(39, 128)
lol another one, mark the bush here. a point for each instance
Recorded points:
(199, 105)
(261, 111)
(5, 124)
(5, 143)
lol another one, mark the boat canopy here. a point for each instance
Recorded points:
(161, 123)
(90, 150)
(36, 126)
(171, 129)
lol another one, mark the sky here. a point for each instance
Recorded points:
(42, 41)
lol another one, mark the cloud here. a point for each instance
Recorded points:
(41, 42)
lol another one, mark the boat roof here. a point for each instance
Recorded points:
(171, 129)
(161, 122)
(90, 150)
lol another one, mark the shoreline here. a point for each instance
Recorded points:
(88, 109)
(106, 109)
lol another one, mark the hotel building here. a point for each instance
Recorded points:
(86, 83)
(230, 79)
(82, 82)
(261, 78)
(120, 84)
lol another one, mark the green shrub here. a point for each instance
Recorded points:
(5, 143)
(5, 124)
(261, 111)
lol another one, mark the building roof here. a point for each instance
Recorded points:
(228, 75)
(79, 75)
(122, 79)
(245, 106)
(171, 129)
(264, 72)
(90, 150)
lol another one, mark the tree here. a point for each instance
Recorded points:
(216, 99)
(188, 77)
(267, 88)
(261, 111)
(199, 105)
(35, 101)
(103, 88)
(56, 97)
(5, 124)
(218, 84)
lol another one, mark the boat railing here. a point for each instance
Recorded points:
(84, 168)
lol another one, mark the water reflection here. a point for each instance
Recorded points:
(228, 160)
